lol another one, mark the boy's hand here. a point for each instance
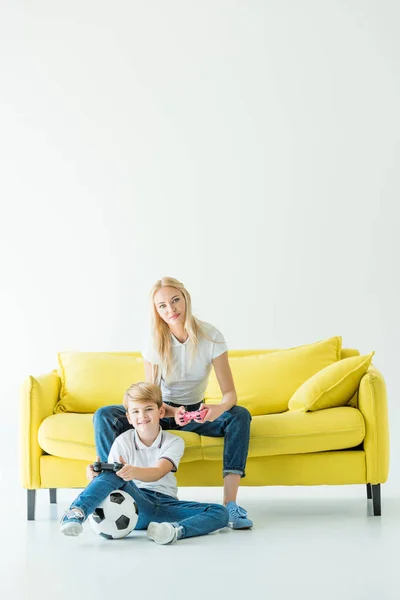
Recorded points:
(127, 473)
(90, 474)
(179, 411)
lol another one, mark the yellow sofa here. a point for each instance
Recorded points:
(336, 446)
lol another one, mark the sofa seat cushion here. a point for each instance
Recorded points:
(296, 432)
(71, 435)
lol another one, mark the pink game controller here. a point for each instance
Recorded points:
(196, 415)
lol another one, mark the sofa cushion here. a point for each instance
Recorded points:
(71, 435)
(297, 433)
(265, 382)
(293, 432)
(90, 380)
(333, 386)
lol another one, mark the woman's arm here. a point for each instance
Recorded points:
(148, 371)
(225, 380)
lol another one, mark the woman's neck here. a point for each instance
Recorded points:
(180, 333)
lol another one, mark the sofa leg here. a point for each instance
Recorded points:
(31, 498)
(376, 499)
(369, 492)
(53, 495)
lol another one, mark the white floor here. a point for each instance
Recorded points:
(307, 543)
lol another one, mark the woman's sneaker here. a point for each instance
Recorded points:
(238, 517)
(71, 522)
(162, 533)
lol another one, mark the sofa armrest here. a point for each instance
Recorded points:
(37, 401)
(372, 402)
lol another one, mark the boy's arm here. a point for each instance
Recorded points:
(146, 474)
(172, 454)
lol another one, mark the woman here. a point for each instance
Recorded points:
(179, 357)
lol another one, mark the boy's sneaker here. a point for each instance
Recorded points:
(238, 517)
(162, 533)
(71, 522)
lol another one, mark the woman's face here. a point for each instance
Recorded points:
(170, 305)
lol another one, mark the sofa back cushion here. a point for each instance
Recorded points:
(264, 379)
(90, 380)
(266, 382)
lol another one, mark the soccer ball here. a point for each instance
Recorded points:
(116, 516)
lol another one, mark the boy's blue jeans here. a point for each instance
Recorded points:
(233, 425)
(194, 518)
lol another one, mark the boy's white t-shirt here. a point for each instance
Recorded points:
(135, 453)
(188, 382)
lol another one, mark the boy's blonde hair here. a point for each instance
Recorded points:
(143, 392)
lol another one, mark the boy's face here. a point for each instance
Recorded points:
(144, 416)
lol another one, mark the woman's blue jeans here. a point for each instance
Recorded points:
(233, 425)
(194, 518)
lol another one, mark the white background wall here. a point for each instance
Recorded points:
(248, 148)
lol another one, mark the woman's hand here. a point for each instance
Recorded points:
(90, 474)
(127, 473)
(178, 413)
(213, 412)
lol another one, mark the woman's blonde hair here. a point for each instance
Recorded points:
(161, 333)
(143, 392)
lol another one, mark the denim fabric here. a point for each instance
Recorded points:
(233, 425)
(194, 518)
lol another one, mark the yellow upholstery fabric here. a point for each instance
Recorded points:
(328, 447)
(333, 386)
(90, 380)
(265, 382)
(297, 433)
(71, 435)
(68, 435)
(319, 468)
(372, 402)
(345, 352)
(37, 401)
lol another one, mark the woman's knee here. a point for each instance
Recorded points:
(105, 415)
(240, 412)
(102, 415)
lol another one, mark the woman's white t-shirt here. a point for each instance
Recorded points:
(188, 381)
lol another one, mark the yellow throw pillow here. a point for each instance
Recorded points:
(90, 380)
(265, 382)
(333, 386)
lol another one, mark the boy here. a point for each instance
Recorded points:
(150, 457)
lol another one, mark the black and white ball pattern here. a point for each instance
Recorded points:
(116, 516)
